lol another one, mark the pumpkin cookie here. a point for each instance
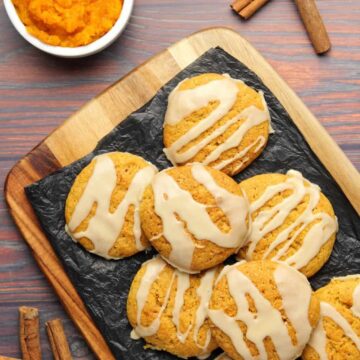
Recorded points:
(195, 216)
(262, 310)
(102, 208)
(292, 221)
(168, 309)
(337, 335)
(217, 121)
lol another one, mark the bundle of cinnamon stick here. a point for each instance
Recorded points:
(309, 14)
(247, 8)
(30, 336)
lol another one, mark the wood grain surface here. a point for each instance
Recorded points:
(38, 92)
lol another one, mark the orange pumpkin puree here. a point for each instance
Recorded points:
(68, 22)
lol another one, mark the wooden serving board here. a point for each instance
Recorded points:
(78, 135)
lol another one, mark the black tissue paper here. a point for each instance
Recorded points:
(102, 284)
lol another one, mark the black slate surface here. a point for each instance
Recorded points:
(102, 284)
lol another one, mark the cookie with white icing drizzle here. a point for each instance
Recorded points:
(195, 216)
(292, 221)
(168, 308)
(262, 310)
(102, 208)
(215, 120)
(337, 335)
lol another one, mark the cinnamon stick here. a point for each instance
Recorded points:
(314, 25)
(57, 338)
(247, 8)
(238, 5)
(29, 333)
(7, 358)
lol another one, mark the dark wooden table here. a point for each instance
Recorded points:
(37, 92)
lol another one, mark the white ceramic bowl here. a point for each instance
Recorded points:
(73, 52)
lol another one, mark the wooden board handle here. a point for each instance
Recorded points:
(314, 25)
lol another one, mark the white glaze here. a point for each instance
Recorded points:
(104, 227)
(171, 200)
(267, 321)
(183, 284)
(182, 103)
(270, 219)
(134, 335)
(356, 302)
(318, 339)
(259, 143)
(203, 356)
(204, 293)
(223, 356)
(154, 267)
(296, 297)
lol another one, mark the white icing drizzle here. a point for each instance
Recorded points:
(356, 294)
(266, 321)
(134, 335)
(270, 219)
(260, 142)
(296, 297)
(318, 339)
(223, 356)
(153, 269)
(228, 268)
(182, 103)
(171, 200)
(104, 227)
(204, 293)
(356, 302)
(183, 283)
(203, 356)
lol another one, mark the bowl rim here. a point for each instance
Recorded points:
(72, 52)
